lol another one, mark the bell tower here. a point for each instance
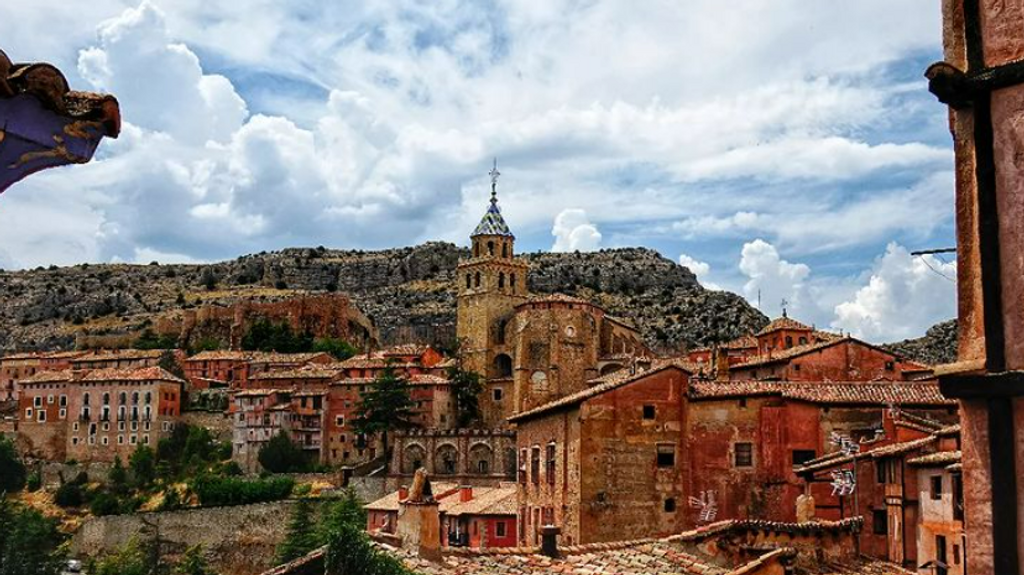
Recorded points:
(491, 282)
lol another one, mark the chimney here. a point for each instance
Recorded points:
(465, 493)
(419, 519)
(403, 492)
(549, 541)
(721, 364)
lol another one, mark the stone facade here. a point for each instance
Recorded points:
(97, 415)
(475, 457)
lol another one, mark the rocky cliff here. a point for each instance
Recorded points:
(938, 345)
(409, 293)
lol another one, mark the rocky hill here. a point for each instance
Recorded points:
(938, 345)
(409, 293)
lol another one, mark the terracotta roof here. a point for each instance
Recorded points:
(784, 322)
(132, 374)
(487, 501)
(795, 351)
(314, 371)
(405, 349)
(51, 88)
(862, 566)
(605, 384)
(937, 459)
(887, 450)
(42, 355)
(846, 393)
(115, 354)
(744, 342)
(49, 377)
(221, 355)
(260, 392)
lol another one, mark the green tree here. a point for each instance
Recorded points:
(12, 470)
(302, 536)
(150, 340)
(281, 455)
(339, 348)
(466, 388)
(346, 511)
(69, 495)
(104, 503)
(30, 544)
(193, 562)
(170, 363)
(132, 559)
(385, 407)
(143, 467)
(350, 552)
(264, 335)
(118, 477)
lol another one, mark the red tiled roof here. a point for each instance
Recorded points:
(937, 459)
(605, 384)
(130, 374)
(787, 354)
(784, 322)
(887, 450)
(314, 371)
(846, 393)
(115, 354)
(499, 500)
(42, 355)
(49, 377)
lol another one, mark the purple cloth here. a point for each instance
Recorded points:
(33, 138)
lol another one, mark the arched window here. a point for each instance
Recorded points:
(481, 457)
(149, 398)
(122, 398)
(512, 282)
(477, 279)
(501, 280)
(446, 460)
(490, 248)
(135, 398)
(469, 281)
(106, 399)
(503, 365)
(504, 250)
(412, 459)
(499, 336)
(85, 399)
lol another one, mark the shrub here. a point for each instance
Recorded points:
(301, 537)
(12, 470)
(104, 503)
(217, 491)
(132, 559)
(350, 552)
(34, 482)
(30, 544)
(280, 455)
(143, 466)
(69, 495)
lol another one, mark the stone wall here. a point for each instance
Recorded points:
(217, 422)
(239, 540)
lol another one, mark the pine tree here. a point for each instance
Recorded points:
(302, 536)
(12, 470)
(118, 477)
(193, 562)
(466, 389)
(281, 455)
(386, 406)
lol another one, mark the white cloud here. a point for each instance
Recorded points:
(904, 296)
(574, 232)
(699, 269)
(773, 279)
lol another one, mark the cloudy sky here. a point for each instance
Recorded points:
(783, 147)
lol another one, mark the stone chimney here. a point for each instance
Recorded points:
(549, 540)
(465, 493)
(419, 519)
(721, 364)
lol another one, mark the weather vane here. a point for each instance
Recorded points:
(494, 173)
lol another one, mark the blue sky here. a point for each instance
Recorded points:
(784, 148)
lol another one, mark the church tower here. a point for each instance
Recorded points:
(491, 283)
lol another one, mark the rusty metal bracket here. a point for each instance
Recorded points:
(959, 89)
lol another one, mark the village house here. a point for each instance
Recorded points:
(96, 415)
(475, 517)
(906, 484)
(257, 416)
(17, 366)
(233, 369)
(125, 358)
(406, 359)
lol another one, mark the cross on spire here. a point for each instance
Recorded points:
(494, 173)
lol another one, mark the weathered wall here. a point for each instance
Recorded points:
(238, 540)
(217, 422)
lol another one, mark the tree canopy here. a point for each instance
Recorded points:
(281, 455)
(12, 470)
(384, 407)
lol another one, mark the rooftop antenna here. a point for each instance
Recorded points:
(784, 304)
(494, 173)
(758, 300)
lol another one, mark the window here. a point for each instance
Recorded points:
(796, 367)
(549, 468)
(890, 365)
(498, 394)
(499, 529)
(880, 522)
(744, 455)
(649, 412)
(63, 401)
(50, 399)
(501, 280)
(28, 413)
(339, 420)
(522, 466)
(936, 486)
(670, 505)
(789, 341)
(37, 401)
(743, 402)
(535, 465)
(958, 498)
(801, 456)
(42, 415)
(104, 441)
(666, 455)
